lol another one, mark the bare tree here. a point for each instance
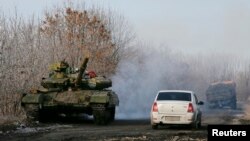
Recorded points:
(71, 33)
(27, 48)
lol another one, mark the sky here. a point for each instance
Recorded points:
(192, 26)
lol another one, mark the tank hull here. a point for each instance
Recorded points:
(99, 103)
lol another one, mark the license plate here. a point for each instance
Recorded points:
(172, 118)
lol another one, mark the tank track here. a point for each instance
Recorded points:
(102, 114)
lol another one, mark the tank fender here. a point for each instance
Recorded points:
(32, 98)
(114, 99)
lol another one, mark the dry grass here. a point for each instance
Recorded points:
(246, 117)
(247, 111)
(10, 109)
(10, 119)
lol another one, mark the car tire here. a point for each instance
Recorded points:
(197, 123)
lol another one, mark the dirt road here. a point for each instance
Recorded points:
(119, 130)
(125, 130)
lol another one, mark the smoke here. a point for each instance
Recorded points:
(139, 78)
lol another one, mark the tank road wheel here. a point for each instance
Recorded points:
(32, 112)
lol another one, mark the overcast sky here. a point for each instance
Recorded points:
(193, 26)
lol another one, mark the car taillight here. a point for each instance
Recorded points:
(190, 108)
(155, 108)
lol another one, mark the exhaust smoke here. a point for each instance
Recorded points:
(138, 79)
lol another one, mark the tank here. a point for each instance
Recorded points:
(222, 95)
(68, 91)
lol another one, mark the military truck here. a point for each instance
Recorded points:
(222, 95)
(68, 91)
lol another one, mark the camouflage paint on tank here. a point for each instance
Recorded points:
(68, 91)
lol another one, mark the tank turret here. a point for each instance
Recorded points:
(61, 78)
(89, 80)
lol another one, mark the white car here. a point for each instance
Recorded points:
(176, 107)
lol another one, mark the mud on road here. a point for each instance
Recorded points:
(119, 130)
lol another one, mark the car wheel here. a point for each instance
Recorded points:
(197, 123)
(155, 126)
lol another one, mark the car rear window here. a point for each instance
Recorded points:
(182, 96)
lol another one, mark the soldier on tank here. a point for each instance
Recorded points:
(89, 74)
(60, 70)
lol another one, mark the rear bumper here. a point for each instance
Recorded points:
(157, 118)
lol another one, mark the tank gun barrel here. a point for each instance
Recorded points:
(81, 71)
